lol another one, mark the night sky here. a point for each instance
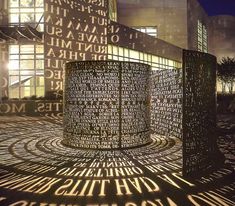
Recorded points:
(218, 7)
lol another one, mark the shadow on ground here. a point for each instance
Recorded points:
(36, 169)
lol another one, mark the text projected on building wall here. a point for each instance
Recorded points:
(74, 30)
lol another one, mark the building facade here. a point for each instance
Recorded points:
(183, 23)
(33, 65)
(38, 37)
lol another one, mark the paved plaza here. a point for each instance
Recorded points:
(36, 169)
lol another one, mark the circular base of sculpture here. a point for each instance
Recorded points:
(102, 147)
(106, 105)
(36, 169)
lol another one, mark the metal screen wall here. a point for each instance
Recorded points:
(199, 111)
(166, 102)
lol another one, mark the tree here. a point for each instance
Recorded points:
(226, 72)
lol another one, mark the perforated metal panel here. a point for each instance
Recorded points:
(199, 111)
(166, 102)
(106, 104)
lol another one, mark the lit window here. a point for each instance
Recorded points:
(109, 49)
(202, 42)
(26, 12)
(26, 71)
(150, 30)
(115, 50)
(156, 62)
(134, 54)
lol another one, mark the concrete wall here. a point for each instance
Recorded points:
(169, 16)
(176, 20)
(222, 32)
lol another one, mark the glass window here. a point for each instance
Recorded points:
(26, 71)
(39, 64)
(40, 56)
(26, 3)
(13, 80)
(110, 56)
(150, 30)
(120, 51)
(40, 81)
(134, 54)
(27, 56)
(26, 18)
(157, 63)
(121, 58)
(115, 50)
(39, 3)
(26, 12)
(171, 63)
(115, 57)
(14, 92)
(141, 57)
(14, 18)
(27, 64)
(39, 10)
(145, 57)
(14, 3)
(126, 52)
(109, 49)
(14, 56)
(40, 91)
(27, 49)
(14, 49)
(14, 10)
(27, 81)
(155, 59)
(27, 91)
(202, 42)
(14, 64)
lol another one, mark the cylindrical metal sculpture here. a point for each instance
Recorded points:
(106, 104)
